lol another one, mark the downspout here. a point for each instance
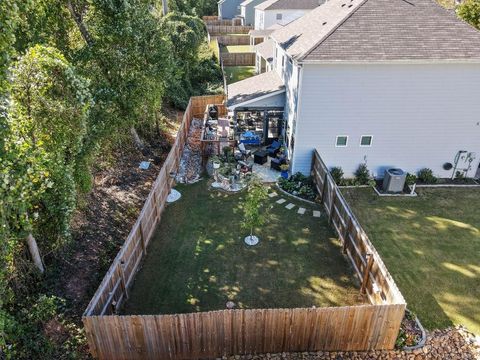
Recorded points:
(296, 117)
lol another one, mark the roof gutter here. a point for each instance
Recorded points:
(388, 62)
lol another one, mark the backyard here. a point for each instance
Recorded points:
(197, 260)
(238, 73)
(236, 48)
(431, 246)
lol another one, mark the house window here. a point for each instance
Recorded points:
(283, 61)
(279, 16)
(366, 140)
(342, 141)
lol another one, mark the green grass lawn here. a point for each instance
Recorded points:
(197, 260)
(236, 48)
(431, 246)
(238, 73)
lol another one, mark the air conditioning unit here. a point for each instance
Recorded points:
(394, 180)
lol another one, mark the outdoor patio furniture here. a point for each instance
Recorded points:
(276, 162)
(242, 153)
(273, 148)
(260, 157)
(250, 138)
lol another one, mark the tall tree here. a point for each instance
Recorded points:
(469, 10)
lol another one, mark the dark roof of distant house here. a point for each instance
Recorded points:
(379, 30)
(288, 5)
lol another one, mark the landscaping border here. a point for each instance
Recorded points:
(294, 196)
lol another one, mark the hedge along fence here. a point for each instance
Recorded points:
(114, 288)
(376, 281)
(225, 332)
(227, 29)
(238, 59)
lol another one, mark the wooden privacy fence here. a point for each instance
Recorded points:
(227, 29)
(223, 22)
(238, 59)
(376, 281)
(217, 333)
(227, 332)
(114, 288)
(233, 39)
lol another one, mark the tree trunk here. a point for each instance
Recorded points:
(136, 138)
(165, 7)
(77, 17)
(35, 253)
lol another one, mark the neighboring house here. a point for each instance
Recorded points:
(247, 11)
(258, 36)
(282, 12)
(229, 9)
(264, 56)
(387, 82)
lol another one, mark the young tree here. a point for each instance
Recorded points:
(254, 210)
(469, 10)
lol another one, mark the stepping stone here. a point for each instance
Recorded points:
(316, 213)
(281, 201)
(273, 194)
(290, 206)
(301, 211)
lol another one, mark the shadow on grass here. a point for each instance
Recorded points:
(198, 261)
(430, 245)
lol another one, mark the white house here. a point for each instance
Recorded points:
(281, 12)
(387, 82)
(247, 11)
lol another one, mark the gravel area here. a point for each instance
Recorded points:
(452, 343)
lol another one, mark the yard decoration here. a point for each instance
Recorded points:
(253, 210)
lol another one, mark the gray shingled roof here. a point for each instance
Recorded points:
(376, 30)
(288, 5)
(254, 87)
(266, 49)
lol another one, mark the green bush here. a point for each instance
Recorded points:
(337, 174)
(299, 185)
(362, 175)
(411, 179)
(426, 176)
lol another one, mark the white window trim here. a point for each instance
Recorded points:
(336, 141)
(371, 140)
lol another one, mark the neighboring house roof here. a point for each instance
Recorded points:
(288, 5)
(376, 30)
(246, 2)
(266, 49)
(259, 86)
(265, 32)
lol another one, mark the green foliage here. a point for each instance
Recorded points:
(411, 179)
(337, 174)
(362, 175)
(9, 19)
(299, 185)
(426, 176)
(194, 7)
(469, 10)
(254, 211)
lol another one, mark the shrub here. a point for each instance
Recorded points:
(362, 175)
(426, 176)
(337, 174)
(411, 179)
(299, 185)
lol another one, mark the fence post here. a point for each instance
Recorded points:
(325, 180)
(332, 205)
(366, 273)
(123, 283)
(346, 234)
(142, 238)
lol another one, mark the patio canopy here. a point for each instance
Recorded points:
(266, 89)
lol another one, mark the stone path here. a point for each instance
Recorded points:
(290, 206)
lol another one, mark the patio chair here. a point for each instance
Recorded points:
(242, 153)
(277, 161)
(273, 148)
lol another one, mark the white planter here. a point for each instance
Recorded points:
(251, 240)
(216, 165)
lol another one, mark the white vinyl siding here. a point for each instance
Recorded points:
(421, 115)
